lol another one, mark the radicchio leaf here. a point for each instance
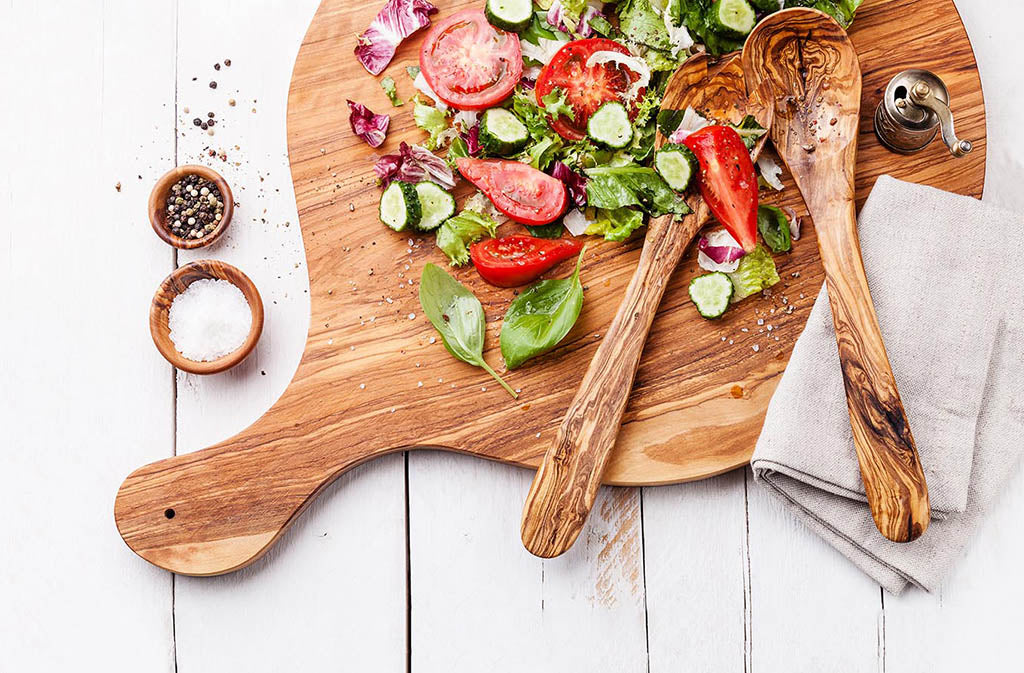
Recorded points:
(575, 184)
(472, 138)
(413, 163)
(556, 18)
(369, 126)
(396, 21)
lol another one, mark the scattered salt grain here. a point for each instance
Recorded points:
(210, 319)
(756, 348)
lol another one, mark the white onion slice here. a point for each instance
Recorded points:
(576, 222)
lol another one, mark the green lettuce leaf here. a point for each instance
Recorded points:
(842, 11)
(756, 272)
(458, 231)
(640, 24)
(555, 105)
(431, 120)
(616, 224)
(391, 91)
(612, 187)
(696, 16)
(542, 153)
(524, 104)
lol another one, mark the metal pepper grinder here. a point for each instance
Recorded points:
(914, 109)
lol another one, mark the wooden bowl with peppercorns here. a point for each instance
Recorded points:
(190, 206)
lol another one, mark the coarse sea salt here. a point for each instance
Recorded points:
(210, 319)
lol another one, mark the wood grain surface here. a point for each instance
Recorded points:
(700, 393)
(807, 60)
(565, 486)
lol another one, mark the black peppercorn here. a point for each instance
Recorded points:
(213, 85)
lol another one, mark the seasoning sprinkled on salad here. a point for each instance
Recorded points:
(550, 109)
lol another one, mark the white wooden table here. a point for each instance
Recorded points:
(408, 563)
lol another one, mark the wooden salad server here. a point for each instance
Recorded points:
(807, 60)
(567, 481)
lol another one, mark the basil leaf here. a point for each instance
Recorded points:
(539, 318)
(618, 186)
(551, 230)
(457, 316)
(774, 227)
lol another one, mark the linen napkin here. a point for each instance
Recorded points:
(949, 293)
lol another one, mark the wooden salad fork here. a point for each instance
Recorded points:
(807, 60)
(566, 484)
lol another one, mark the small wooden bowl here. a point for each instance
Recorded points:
(175, 284)
(158, 203)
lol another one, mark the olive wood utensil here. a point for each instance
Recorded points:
(808, 62)
(566, 483)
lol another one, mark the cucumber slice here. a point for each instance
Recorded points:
(711, 293)
(610, 125)
(502, 133)
(436, 205)
(513, 15)
(733, 17)
(400, 206)
(676, 164)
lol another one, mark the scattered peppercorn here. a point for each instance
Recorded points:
(197, 121)
(216, 66)
(227, 62)
(210, 115)
(213, 85)
(194, 207)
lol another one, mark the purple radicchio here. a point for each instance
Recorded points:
(369, 126)
(575, 184)
(472, 138)
(556, 18)
(396, 21)
(413, 163)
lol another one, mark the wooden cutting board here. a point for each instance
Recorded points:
(373, 379)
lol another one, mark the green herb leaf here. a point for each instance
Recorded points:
(555, 105)
(457, 316)
(750, 131)
(774, 227)
(551, 230)
(458, 231)
(391, 91)
(756, 272)
(614, 187)
(616, 225)
(539, 318)
(431, 120)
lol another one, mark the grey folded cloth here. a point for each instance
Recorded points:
(945, 276)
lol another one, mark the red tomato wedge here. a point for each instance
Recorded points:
(519, 190)
(727, 181)
(585, 88)
(470, 64)
(517, 260)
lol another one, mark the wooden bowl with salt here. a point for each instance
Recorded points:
(158, 206)
(177, 283)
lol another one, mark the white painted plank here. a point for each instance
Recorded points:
(332, 594)
(810, 606)
(480, 601)
(84, 395)
(696, 559)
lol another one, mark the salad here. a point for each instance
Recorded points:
(549, 108)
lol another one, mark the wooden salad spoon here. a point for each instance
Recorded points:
(809, 64)
(567, 481)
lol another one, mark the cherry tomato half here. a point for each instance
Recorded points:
(585, 88)
(727, 181)
(470, 64)
(516, 260)
(519, 190)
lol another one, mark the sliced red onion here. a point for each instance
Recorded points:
(372, 128)
(396, 21)
(575, 184)
(719, 251)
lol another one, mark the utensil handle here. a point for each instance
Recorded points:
(889, 464)
(565, 486)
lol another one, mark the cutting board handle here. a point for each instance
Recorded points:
(565, 486)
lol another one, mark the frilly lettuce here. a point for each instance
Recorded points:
(457, 232)
(756, 272)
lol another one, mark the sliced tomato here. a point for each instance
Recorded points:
(516, 260)
(470, 64)
(519, 190)
(727, 181)
(585, 88)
